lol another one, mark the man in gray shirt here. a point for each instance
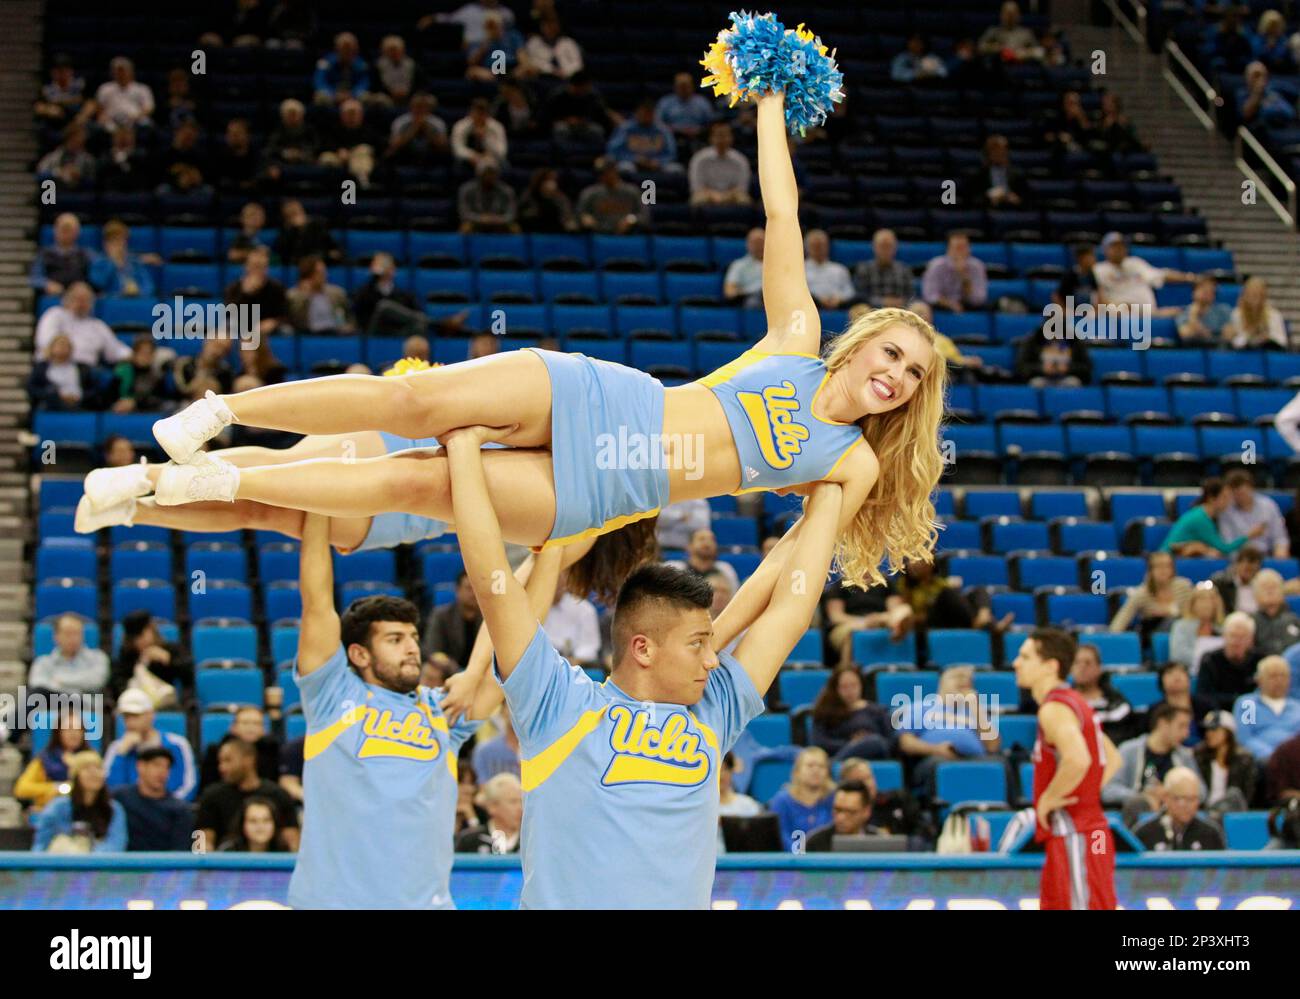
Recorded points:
(744, 277)
(719, 175)
(1249, 508)
(485, 204)
(71, 668)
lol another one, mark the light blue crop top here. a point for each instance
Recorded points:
(768, 399)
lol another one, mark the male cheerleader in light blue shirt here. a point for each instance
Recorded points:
(621, 778)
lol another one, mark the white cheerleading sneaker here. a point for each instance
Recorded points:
(89, 519)
(182, 434)
(109, 487)
(204, 478)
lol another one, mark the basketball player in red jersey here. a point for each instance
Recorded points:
(1073, 759)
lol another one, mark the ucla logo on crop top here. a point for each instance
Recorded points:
(771, 414)
(644, 754)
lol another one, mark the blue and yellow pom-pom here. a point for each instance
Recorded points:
(408, 364)
(758, 54)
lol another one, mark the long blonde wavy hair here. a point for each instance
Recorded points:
(897, 520)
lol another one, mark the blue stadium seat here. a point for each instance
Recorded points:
(1127, 506)
(1189, 401)
(1141, 689)
(278, 560)
(959, 780)
(991, 399)
(1026, 774)
(1018, 730)
(770, 730)
(1235, 442)
(991, 503)
(615, 284)
(979, 570)
(239, 685)
(873, 646)
(808, 649)
(442, 567)
(216, 560)
(222, 598)
(1177, 361)
(959, 645)
(770, 774)
(680, 286)
(888, 774)
(484, 244)
(1119, 650)
(1015, 535)
(1149, 440)
(351, 592)
(970, 437)
(696, 319)
(1256, 402)
(1076, 609)
(232, 641)
(1030, 437)
(999, 687)
(628, 319)
(140, 560)
(1246, 830)
(378, 565)
(157, 596)
(556, 283)
(1122, 401)
(907, 686)
(945, 504)
(801, 686)
(59, 492)
(340, 350)
(556, 246)
(1046, 570)
(367, 242)
(647, 355)
(959, 535)
(1019, 605)
(284, 679)
(1087, 535)
(66, 557)
(1199, 570)
(1117, 571)
(1048, 503)
(565, 319)
(64, 428)
(284, 644)
(629, 247)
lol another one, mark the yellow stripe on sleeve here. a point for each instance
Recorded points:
(534, 772)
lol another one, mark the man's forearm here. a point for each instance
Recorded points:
(477, 527)
(316, 564)
(755, 594)
(806, 566)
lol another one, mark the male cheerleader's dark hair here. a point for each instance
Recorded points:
(361, 614)
(612, 559)
(656, 587)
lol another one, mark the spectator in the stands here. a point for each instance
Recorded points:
(141, 380)
(256, 829)
(1071, 129)
(221, 805)
(118, 451)
(302, 236)
(850, 816)
(418, 137)
(845, 723)
(579, 114)
(92, 341)
(293, 141)
(884, 281)
(145, 651)
(380, 306)
(1009, 40)
(236, 166)
(86, 819)
(1146, 759)
(1195, 534)
(1260, 103)
(937, 601)
(315, 305)
(956, 281)
(1233, 583)
(180, 104)
(47, 775)
(643, 145)
(503, 799)
(1268, 715)
(350, 144)
(611, 205)
(685, 111)
(483, 344)
(805, 803)
(485, 203)
(341, 74)
(293, 25)
(702, 558)
(1230, 49)
(451, 629)
(472, 17)
(69, 165)
(1201, 618)
(847, 609)
(396, 72)
(251, 233)
(64, 261)
(1109, 706)
(743, 281)
(723, 592)
(1003, 184)
(249, 724)
(136, 709)
(678, 521)
(573, 627)
(499, 754)
(123, 100)
(829, 282)
(181, 165)
(291, 758)
(1078, 282)
(1158, 602)
(1116, 133)
(730, 801)
(1249, 507)
(63, 98)
(255, 288)
(1205, 320)
(1177, 827)
(544, 207)
(155, 821)
(1228, 770)
(60, 383)
(1123, 279)
(1276, 626)
(719, 174)
(513, 107)
(498, 53)
(478, 138)
(952, 726)
(125, 168)
(1269, 44)
(916, 62)
(1229, 672)
(550, 53)
(118, 271)
(1175, 685)
(1283, 771)
(1255, 322)
(1044, 360)
(211, 362)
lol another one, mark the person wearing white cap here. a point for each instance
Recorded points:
(1126, 280)
(1228, 770)
(136, 710)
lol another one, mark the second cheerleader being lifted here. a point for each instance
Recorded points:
(863, 412)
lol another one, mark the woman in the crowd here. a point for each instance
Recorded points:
(1196, 534)
(804, 804)
(1202, 618)
(86, 819)
(1109, 706)
(257, 830)
(144, 648)
(1176, 689)
(117, 271)
(48, 774)
(544, 207)
(845, 723)
(1228, 770)
(1158, 602)
(1256, 322)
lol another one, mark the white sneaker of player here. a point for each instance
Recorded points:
(204, 477)
(182, 434)
(89, 520)
(108, 487)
